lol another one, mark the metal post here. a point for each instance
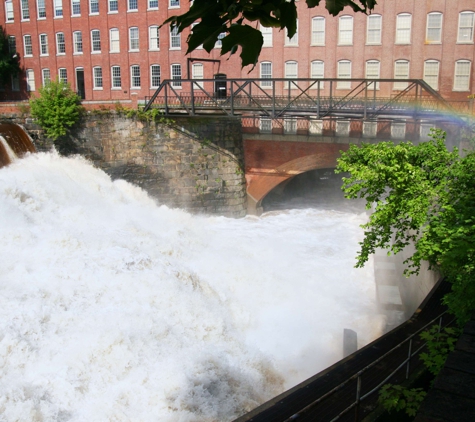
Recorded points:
(318, 99)
(365, 99)
(273, 99)
(166, 99)
(232, 98)
(331, 95)
(374, 99)
(409, 354)
(192, 98)
(358, 395)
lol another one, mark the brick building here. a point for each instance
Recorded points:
(114, 50)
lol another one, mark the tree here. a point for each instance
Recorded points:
(423, 194)
(9, 59)
(56, 109)
(216, 17)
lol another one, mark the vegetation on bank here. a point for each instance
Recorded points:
(9, 59)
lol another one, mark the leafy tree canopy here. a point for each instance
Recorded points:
(215, 17)
(9, 59)
(423, 194)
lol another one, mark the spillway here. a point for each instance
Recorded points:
(14, 143)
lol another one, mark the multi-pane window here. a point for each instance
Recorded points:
(27, 45)
(153, 4)
(290, 125)
(318, 31)
(175, 38)
(424, 131)
(134, 39)
(11, 44)
(401, 71)
(43, 44)
(25, 10)
(265, 125)
(342, 127)
(15, 83)
(133, 5)
(75, 7)
(95, 41)
(197, 72)
(63, 75)
(266, 73)
(116, 79)
(77, 42)
(93, 7)
(135, 76)
(374, 29)
(431, 73)
(398, 130)
(344, 72)
(58, 8)
(267, 35)
(40, 4)
(9, 11)
(113, 7)
(295, 39)
(60, 43)
(174, 3)
(30, 80)
(46, 76)
(154, 37)
(465, 30)
(403, 28)
(114, 40)
(345, 30)
(97, 76)
(176, 74)
(317, 71)
(370, 129)
(315, 126)
(434, 28)
(291, 70)
(373, 72)
(155, 76)
(462, 75)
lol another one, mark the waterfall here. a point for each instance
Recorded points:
(14, 143)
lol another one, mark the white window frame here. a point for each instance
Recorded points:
(78, 45)
(290, 125)
(342, 128)
(374, 29)
(315, 126)
(459, 77)
(175, 39)
(345, 30)
(265, 125)
(133, 3)
(95, 42)
(403, 28)
(370, 129)
(469, 29)
(154, 75)
(97, 78)
(114, 40)
(343, 73)
(25, 10)
(294, 41)
(154, 38)
(434, 28)
(45, 76)
(173, 4)
(44, 51)
(134, 38)
(399, 73)
(9, 15)
(317, 71)
(94, 5)
(135, 78)
(290, 74)
(58, 9)
(432, 77)
(41, 9)
(116, 77)
(424, 130)
(75, 8)
(113, 6)
(149, 3)
(398, 130)
(63, 75)
(318, 31)
(175, 70)
(267, 35)
(30, 80)
(197, 72)
(60, 45)
(373, 71)
(266, 73)
(27, 45)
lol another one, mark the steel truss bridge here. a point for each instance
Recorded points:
(315, 98)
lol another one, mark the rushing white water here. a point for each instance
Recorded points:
(113, 308)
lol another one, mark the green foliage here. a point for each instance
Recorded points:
(9, 60)
(215, 17)
(56, 109)
(396, 397)
(151, 115)
(423, 194)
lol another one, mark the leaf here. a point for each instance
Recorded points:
(250, 40)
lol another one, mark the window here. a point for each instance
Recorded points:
(424, 131)
(317, 71)
(11, 44)
(116, 80)
(465, 32)
(15, 83)
(342, 127)
(77, 42)
(294, 41)
(290, 125)
(46, 76)
(95, 41)
(153, 4)
(174, 3)
(315, 127)
(43, 45)
(9, 11)
(370, 129)
(176, 74)
(97, 76)
(154, 38)
(266, 73)
(175, 38)
(25, 10)
(30, 80)
(318, 31)
(63, 75)
(113, 7)
(267, 35)
(41, 9)
(372, 72)
(135, 76)
(290, 72)
(197, 72)
(134, 39)
(265, 125)
(76, 7)
(373, 34)
(114, 40)
(403, 28)
(60, 43)
(401, 71)
(27, 45)
(58, 8)
(462, 75)
(133, 5)
(93, 7)
(344, 72)
(345, 30)
(398, 130)
(434, 28)
(155, 76)
(431, 73)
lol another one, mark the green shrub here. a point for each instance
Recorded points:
(56, 109)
